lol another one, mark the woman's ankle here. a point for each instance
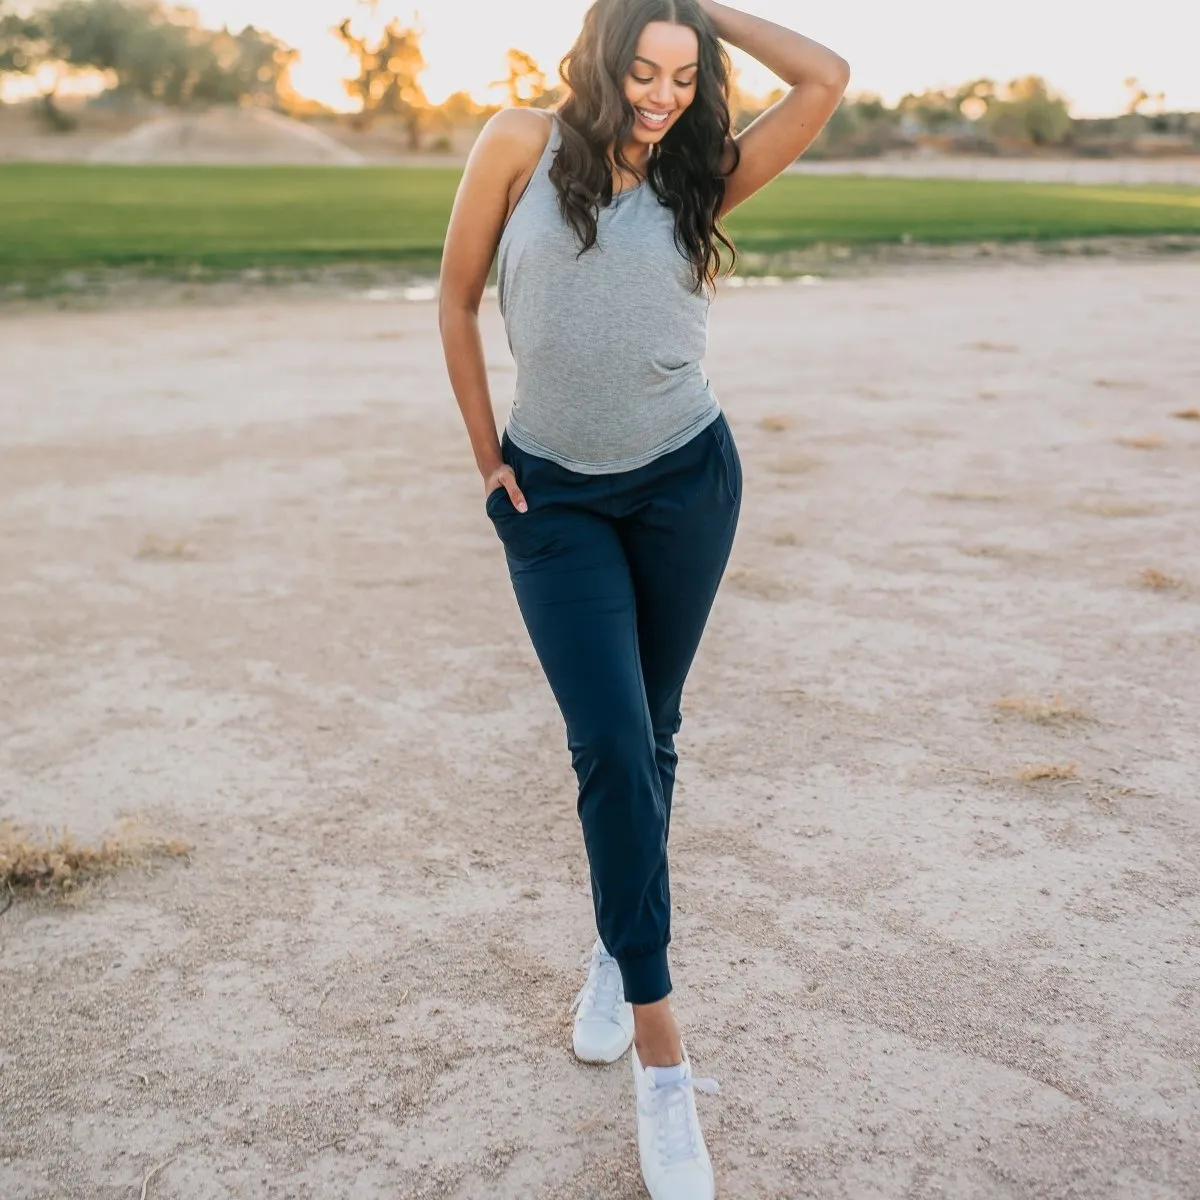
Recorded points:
(656, 1035)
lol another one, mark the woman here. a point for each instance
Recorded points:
(616, 487)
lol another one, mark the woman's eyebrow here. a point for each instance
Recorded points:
(651, 63)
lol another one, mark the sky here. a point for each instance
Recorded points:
(892, 46)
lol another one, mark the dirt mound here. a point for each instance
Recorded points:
(233, 135)
(936, 830)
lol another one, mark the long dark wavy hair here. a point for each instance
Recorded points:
(684, 169)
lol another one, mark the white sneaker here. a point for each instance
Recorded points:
(604, 1023)
(675, 1163)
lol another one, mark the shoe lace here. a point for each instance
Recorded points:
(602, 989)
(672, 1120)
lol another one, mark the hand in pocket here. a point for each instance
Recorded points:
(503, 477)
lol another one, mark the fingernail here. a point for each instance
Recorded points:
(522, 507)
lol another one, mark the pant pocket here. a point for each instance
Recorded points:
(730, 461)
(497, 502)
(491, 496)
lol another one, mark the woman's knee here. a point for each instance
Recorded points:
(617, 746)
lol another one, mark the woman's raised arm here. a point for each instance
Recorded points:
(818, 79)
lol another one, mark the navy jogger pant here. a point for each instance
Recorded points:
(615, 575)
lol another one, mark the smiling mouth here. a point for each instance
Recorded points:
(653, 119)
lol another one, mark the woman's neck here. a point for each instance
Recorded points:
(638, 155)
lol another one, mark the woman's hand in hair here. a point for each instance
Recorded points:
(713, 11)
(503, 477)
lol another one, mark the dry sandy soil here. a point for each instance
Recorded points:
(220, 135)
(914, 974)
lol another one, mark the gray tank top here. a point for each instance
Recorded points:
(607, 344)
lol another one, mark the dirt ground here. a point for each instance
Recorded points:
(914, 972)
(218, 136)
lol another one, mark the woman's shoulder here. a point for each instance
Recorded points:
(518, 135)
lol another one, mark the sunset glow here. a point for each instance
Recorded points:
(892, 48)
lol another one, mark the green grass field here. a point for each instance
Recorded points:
(58, 218)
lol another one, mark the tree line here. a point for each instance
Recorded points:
(161, 52)
(988, 117)
(150, 50)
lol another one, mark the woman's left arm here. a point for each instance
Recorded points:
(818, 79)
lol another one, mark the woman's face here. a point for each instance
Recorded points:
(661, 82)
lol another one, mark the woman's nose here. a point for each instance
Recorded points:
(661, 94)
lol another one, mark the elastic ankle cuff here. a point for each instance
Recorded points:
(646, 978)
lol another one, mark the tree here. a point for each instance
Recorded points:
(251, 65)
(525, 82)
(932, 111)
(460, 107)
(389, 69)
(22, 43)
(26, 46)
(1138, 96)
(112, 36)
(744, 106)
(975, 98)
(861, 125)
(1030, 110)
(153, 51)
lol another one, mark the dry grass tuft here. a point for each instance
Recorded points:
(796, 464)
(160, 549)
(994, 347)
(972, 497)
(776, 423)
(151, 1174)
(758, 584)
(57, 863)
(1106, 508)
(785, 537)
(1055, 711)
(1047, 771)
(1187, 414)
(1158, 581)
(1150, 441)
(1011, 554)
(1122, 384)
